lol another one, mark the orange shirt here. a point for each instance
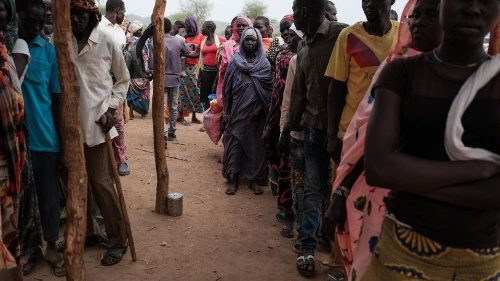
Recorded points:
(194, 44)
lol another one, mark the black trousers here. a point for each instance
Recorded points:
(208, 77)
(45, 171)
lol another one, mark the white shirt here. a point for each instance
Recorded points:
(21, 48)
(115, 31)
(96, 65)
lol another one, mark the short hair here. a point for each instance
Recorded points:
(264, 19)
(313, 6)
(167, 25)
(179, 24)
(211, 25)
(113, 5)
(23, 5)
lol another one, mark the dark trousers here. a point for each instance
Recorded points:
(102, 186)
(45, 172)
(208, 77)
(318, 172)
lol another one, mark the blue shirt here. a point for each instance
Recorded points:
(40, 83)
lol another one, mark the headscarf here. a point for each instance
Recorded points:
(191, 21)
(288, 18)
(404, 35)
(85, 5)
(10, 31)
(135, 26)
(259, 70)
(234, 29)
(296, 31)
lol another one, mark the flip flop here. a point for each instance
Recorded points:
(58, 268)
(306, 265)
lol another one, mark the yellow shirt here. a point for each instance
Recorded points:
(354, 60)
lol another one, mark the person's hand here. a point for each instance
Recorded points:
(223, 123)
(107, 120)
(335, 216)
(488, 168)
(334, 148)
(284, 142)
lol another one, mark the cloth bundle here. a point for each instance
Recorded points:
(455, 147)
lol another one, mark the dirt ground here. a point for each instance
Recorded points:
(218, 237)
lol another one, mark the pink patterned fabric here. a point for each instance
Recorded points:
(119, 141)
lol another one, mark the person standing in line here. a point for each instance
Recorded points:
(281, 159)
(308, 110)
(42, 95)
(98, 60)
(294, 148)
(189, 90)
(264, 26)
(228, 49)
(49, 23)
(179, 30)
(247, 93)
(227, 32)
(357, 55)
(208, 60)
(331, 11)
(111, 24)
(435, 125)
(354, 202)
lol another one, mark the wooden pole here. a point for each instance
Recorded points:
(121, 197)
(495, 40)
(162, 175)
(74, 160)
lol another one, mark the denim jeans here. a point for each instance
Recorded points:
(171, 98)
(298, 173)
(316, 185)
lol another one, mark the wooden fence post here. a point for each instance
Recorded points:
(74, 159)
(162, 175)
(494, 48)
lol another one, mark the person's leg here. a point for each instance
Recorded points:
(47, 188)
(119, 142)
(102, 185)
(317, 163)
(173, 100)
(298, 174)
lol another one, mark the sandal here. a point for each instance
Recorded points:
(284, 217)
(337, 274)
(306, 265)
(113, 256)
(195, 121)
(287, 230)
(58, 267)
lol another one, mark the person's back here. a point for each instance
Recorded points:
(174, 48)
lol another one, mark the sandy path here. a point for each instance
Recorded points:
(217, 238)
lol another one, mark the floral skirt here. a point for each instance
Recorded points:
(9, 242)
(189, 91)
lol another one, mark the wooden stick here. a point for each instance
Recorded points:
(162, 174)
(72, 143)
(121, 197)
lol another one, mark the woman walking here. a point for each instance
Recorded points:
(247, 93)
(208, 60)
(443, 208)
(189, 91)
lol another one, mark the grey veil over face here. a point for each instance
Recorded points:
(259, 70)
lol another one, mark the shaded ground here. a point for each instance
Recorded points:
(217, 238)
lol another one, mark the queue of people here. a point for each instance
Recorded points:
(374, 137)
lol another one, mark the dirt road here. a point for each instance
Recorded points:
(218, 238)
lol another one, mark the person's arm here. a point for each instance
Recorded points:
(388, 167)
(148, 33)
(122, 77)
(337, 93)
(287, 93)
(480, 195)
(55, 90)
(298, 101)
(21, 61)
